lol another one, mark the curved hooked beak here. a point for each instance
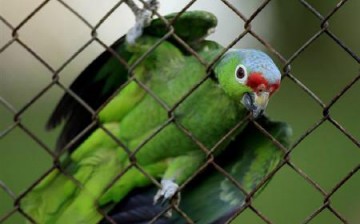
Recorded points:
(255, 102)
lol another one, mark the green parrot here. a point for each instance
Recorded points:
(157, 120)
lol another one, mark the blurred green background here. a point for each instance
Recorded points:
(326, 155)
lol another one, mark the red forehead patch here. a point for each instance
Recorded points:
(256, 79)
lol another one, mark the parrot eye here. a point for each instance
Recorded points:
(240, 73)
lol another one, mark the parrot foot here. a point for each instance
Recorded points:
(142, 17)
(168, 191)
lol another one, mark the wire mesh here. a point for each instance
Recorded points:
(324, 29)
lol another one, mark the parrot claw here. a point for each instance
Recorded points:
(168, 191)
(143, 19)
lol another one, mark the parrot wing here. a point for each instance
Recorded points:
(99, 81)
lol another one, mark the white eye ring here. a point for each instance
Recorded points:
(241, 74)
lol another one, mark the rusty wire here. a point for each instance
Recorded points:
(324, 29)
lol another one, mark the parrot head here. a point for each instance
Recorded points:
(248, 76)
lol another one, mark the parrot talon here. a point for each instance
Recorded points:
(142, 17)
(168, 191)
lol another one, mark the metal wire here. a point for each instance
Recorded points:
(324, 29)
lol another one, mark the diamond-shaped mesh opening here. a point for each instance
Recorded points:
(47, 43)
(320, 152)
(296, 99)
(69, 28)
(283, 203)
(311, 64)
(29, 78)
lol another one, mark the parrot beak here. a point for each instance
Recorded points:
(255, 102)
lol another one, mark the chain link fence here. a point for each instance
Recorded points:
(324, 29)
